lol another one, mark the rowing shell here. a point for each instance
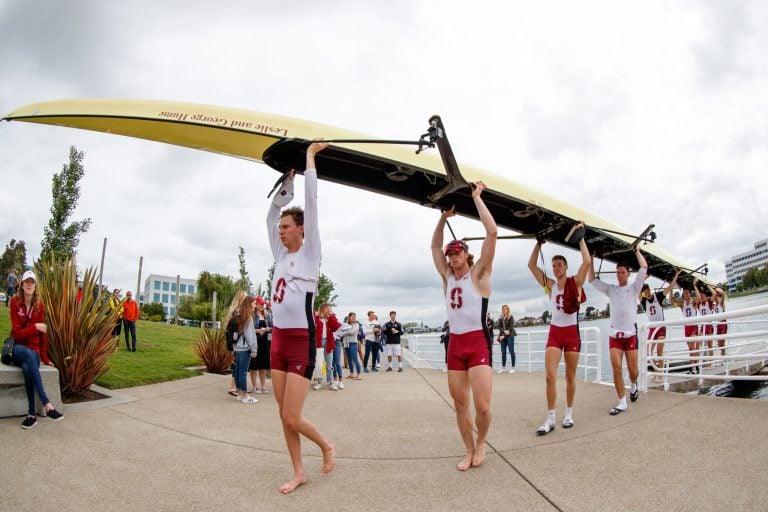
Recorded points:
(394, 170)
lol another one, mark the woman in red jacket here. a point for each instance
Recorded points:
(29, 331)
(325, 325)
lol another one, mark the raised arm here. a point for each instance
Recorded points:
(586, 263)
(438, 258)
(668, 290)
(311, 223)
(641, 259)
(485, 262)
(538, 273)
(281, 198)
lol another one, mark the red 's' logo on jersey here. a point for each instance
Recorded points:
(279, 294)
(559, 302)
(456, 299)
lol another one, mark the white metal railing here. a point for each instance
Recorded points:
(744, 349)
(426, 351)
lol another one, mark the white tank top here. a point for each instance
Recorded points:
(559, 317)
(704, 309)
(465, 307)
(653, 309)
(688, 309)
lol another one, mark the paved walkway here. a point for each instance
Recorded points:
(187, 445)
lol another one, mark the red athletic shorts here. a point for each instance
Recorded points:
(626, 344)
(564, 338)
(691, 330)
(706, 330)
(656, 333)
(293, 351)
(722, 328)
(468, 350)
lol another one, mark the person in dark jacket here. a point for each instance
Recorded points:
(506, 338)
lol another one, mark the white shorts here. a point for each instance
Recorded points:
(394, 350)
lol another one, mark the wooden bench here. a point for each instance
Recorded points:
(13, 396)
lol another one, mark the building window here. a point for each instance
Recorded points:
(157, 285)
(165, 298)
(156, 297)
(191, 288)
(173, 311)
(165, 286)
(173, 287)
(183, 288)
(173, 299)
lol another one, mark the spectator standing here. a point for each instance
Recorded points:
(506, 339)
(115, 303)
(10, 286)
(392, 330)
(130, 315)
(259, 365)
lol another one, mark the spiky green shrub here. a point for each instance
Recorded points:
(211, 348)
(80, 340)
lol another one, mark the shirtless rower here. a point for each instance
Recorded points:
(294, 238)
(467, 287)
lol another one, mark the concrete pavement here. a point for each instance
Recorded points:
(187, 445)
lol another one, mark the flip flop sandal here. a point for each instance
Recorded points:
(545, 429)
(633, 396)
(233, 393)
(615, 410)
(567, 423)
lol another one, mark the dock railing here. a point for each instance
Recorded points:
(736, 355)
(426, 351)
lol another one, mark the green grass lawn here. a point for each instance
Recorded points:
(162, 353)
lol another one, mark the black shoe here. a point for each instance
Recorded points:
(29, 422)
(399, 370)
(389, 369)
(54, 415)
(633, 396)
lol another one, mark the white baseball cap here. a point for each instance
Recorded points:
(28, 275)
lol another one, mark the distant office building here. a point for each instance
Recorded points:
(737, 266)
(162, 289)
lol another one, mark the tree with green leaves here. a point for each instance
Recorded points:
(60, 238)
(14, 258)
(224, 286)
(244, 283)
(154, 309)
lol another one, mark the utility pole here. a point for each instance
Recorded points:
(213, 308)
(138, 280)
(101, 268)
(176, 309)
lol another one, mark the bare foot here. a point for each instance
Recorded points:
(465, 464)
(329, 458)
(479, 457)
(291, 486)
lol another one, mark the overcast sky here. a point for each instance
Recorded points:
(642, 112)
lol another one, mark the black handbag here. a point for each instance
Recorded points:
(7, 357)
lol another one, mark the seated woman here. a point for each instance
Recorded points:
(29, 331)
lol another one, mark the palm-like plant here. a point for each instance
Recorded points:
(212, 349)
(80, 340)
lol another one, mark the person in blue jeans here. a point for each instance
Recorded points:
(350, 346)
(29, 329)
(506, 338)
(245, 347)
